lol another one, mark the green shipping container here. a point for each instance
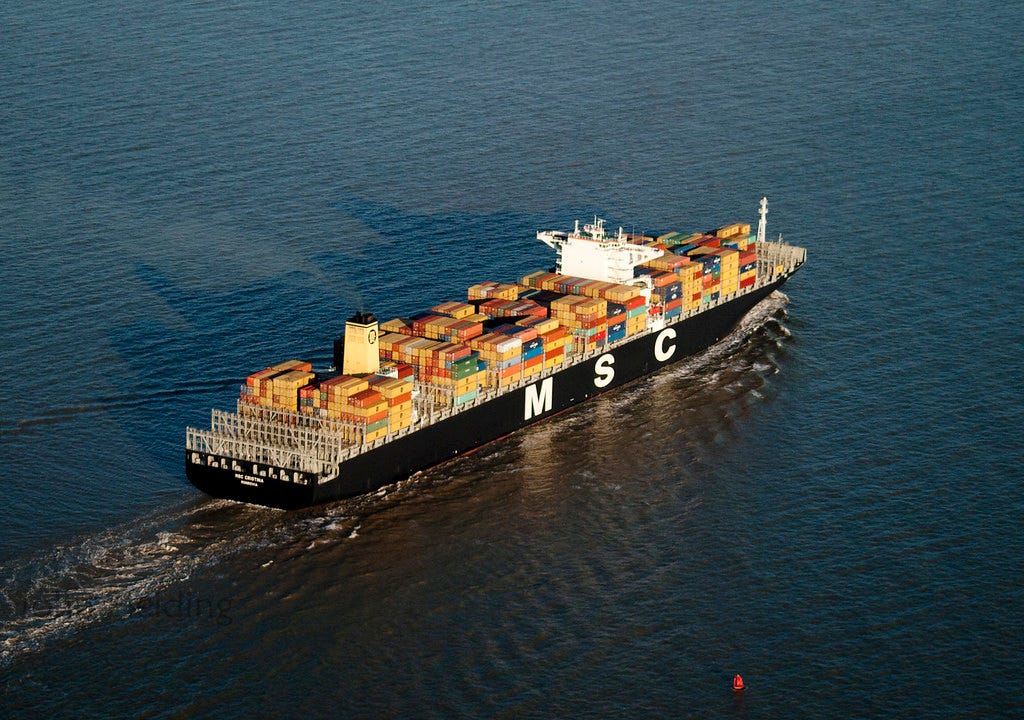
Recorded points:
(460, 373)
(372, 427)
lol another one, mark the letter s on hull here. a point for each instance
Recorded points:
(662, 353)
(605, 373)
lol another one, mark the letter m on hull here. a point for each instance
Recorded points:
(537, 398)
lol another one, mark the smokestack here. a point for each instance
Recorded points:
(360, 351)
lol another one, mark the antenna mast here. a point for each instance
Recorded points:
(761, 225)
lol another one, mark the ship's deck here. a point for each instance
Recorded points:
(308, 444)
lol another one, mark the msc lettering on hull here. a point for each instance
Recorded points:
(662, 353)
(604, 373)
(537, 398)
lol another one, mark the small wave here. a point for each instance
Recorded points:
(112, 573)
(768, 312)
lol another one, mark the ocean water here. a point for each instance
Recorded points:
(829, 502)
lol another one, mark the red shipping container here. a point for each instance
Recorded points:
(663, 278)
(519, 331)
(513, 371)
(366, 398)
(405, 370)
(377, 417)
(399, 399)
(556, 334)
(591, 323)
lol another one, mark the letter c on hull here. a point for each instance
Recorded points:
(662, 353)
(605, 371)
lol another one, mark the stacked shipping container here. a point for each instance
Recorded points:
(691, 275)
(502, 356)
(511, 308)
(397, 392)
(452, 353)
(450, 367)
(278, 386)
(730, 270)
(569, 285)
(586, 318)
(490, 289)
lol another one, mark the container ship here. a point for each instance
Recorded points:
(410, 393)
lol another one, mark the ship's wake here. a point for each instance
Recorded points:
(765, 319)
(110, 576)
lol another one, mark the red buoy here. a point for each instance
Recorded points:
(737, 683)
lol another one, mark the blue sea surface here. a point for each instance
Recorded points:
(829, 502)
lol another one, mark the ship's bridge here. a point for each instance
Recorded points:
(594, 254)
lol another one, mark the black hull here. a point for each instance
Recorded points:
(475, 426)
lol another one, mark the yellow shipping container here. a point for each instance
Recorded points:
(543, 326)
(729, 255)
(395, 325)
(500, 291)
(528, 280)
(287, 365)
(732, 230)
(293, 379)
(376, 435)
(392, 387)
(346, 388)
(455, 309)
(622, 293)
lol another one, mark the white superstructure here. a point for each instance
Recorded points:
(596, 255)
